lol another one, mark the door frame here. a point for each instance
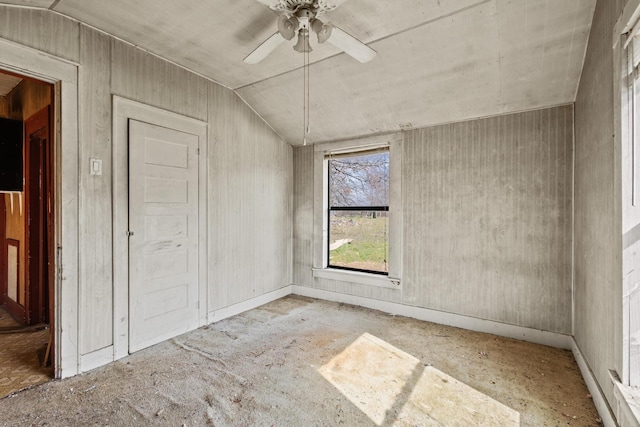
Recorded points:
(37, 261)
(123, 110)
(12, 307)
(3, 256)
(63, 74)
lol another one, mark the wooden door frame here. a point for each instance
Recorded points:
(38, 234)
(3, 254)
(12, 307)
(123, 110)
(64, 75)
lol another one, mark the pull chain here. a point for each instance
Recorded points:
(305, 96)
(308, 94)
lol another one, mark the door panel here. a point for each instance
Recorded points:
(163, 246)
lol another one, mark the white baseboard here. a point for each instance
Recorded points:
(241, 307)
(96, 359)
(106, 355)
(592, 384)
(536, 336)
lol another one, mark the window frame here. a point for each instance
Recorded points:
(627, 138)
(321, 268)
(371, 208)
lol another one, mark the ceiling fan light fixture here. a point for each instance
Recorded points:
(287, 27)
(322, 30)
(303, 45)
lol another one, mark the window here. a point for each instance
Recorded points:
(357, 212)
(358, 217)
(630, 183)
(633, 62)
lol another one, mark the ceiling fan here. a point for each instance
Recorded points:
(301, 16)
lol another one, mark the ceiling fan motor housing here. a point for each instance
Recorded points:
(292, 7)
(300, 17)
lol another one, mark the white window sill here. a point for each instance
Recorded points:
(357, 277)
(628, 411)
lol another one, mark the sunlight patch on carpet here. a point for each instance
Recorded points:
(394, 388)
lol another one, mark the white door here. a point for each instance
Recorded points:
(163, 228)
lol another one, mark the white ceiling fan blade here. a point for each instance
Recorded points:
(334, 3)
(262, 51)
(351, 45)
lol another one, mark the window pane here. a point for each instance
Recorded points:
(359, 240)
(359, 181)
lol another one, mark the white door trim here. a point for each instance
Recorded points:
(33, 63)
(123, 110)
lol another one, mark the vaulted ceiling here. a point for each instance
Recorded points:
(438, 61)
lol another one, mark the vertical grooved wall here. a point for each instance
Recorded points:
(249, 170)
(598, 228)
(487, 218)
(487, 207)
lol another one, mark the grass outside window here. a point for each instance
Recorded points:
(359, 212)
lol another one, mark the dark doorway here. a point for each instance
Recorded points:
(37, 137)
(27, 239)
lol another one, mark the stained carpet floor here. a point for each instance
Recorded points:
(304, 362)
(19, 363)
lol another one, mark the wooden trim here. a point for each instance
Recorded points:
(96, 359)
(321, 197)
(21, 76)
(599, 399)
(37, 146)
(356, 144)
(13, 307)
(3, 256)
(536, 336)
(626, 193)
(64, 73)
(244, 306)
(51, 223)
(15, 310)
(123, 110)
(628, 402)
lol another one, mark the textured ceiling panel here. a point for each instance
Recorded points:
(432, 74)
(438, 60)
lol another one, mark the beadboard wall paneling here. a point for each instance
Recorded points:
(95, 203)
(250, 203)
(250, 173)
(145, 78)
(41, 30)
(303, 215)
(487, 220)
(598, 269)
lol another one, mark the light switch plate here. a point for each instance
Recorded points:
(95, 166)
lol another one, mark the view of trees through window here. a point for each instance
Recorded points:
(359, 212)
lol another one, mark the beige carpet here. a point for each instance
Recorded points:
(305, 362)
(19, 362)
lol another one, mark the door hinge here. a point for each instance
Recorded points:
(59, 265)
(198, 151)
(129, 233)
